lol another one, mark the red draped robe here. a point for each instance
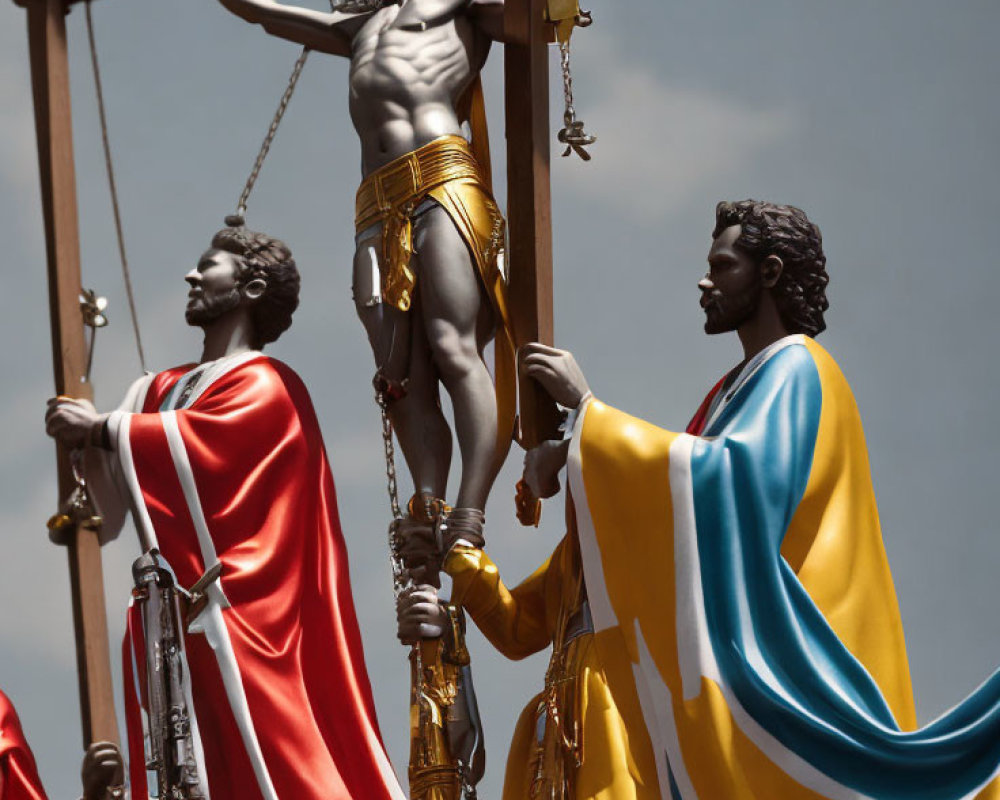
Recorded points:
(18, 775)
(236, 474)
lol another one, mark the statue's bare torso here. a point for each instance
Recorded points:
(411, 63)
(409, 67)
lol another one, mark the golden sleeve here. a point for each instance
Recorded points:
(512, 619)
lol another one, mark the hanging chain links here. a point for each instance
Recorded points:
(265, 147)
(390, 456)
(573, 134)
(239, 218)
(400, 578)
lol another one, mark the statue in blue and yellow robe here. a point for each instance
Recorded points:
(744, 614)
(745, 639)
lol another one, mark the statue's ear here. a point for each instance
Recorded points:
(255, 289)
(770, 271)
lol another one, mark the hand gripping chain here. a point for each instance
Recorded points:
(432, 765)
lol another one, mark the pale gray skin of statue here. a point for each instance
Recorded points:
(410, 64)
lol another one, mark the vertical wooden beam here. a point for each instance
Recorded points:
(529, 197)
(50, 85)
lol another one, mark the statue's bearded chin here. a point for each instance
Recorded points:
(209, 309)
(729, 313)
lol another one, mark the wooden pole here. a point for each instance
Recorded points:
(50, 85)
(529, 198)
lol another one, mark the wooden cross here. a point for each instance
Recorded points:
(529, 198)
(530, 220)
(53, 126)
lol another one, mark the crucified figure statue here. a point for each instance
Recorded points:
(429, 278)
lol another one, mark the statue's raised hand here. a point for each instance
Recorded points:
(557, 372)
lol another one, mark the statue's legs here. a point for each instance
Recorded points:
(458, 320)
(399, 344)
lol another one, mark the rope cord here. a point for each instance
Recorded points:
(113, 187)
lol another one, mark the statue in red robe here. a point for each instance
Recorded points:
(223, 467)
(18, 775)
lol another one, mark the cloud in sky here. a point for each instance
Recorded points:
(681, 124)
(37, 626)
(659, 142)
(18, 157)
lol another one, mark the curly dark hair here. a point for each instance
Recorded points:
(786, 232)
(264, 257)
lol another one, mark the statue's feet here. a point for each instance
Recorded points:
(418, 538)
(430, 530)
(463, 526)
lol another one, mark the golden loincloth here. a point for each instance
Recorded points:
(446, 171)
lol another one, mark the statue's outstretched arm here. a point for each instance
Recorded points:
(488, 16)
(327, 32)
(514, 620)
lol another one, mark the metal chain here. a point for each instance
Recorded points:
(241, 205)
(573, 134)
(113, 187)
(567, 75)
(400, 578)
(265, 147)
(390, 456)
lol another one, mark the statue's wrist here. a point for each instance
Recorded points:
(569, 424)
(99, 435)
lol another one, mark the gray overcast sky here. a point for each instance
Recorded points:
(880, 119)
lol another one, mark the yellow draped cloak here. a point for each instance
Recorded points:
(617, 763)
(632, 484)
